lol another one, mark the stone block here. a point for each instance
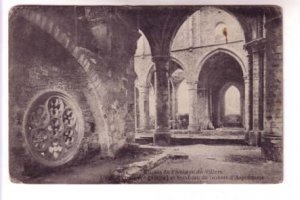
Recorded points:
(254, 138)
(272, 147)
(162, 139)
(194, 128)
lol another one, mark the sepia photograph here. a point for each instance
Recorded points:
(157, 94)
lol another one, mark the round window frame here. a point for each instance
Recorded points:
(43, 98)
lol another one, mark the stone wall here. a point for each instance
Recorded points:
(38, 65)
(198, 38)
(272, 140)
(47, 54)
(205, 27)
(195, 39)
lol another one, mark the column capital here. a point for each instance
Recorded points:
(256, 45)
(143, 88)
(202, 89)
(160, 58)
(192, 85)
(246, 78)
(192, 82)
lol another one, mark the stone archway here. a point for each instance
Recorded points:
(227, 119)
(219, 71)
(88, 62)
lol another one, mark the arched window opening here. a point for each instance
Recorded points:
(232, 101)
(143, 47)
(221, 33)
(182, 115)
(183, 98)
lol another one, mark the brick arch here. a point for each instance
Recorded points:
(86, 59)
(83, 56)
(208, 55)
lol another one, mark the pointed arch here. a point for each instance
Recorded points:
(227, 51)
(232, 93)
(222, 102)
(86, 59)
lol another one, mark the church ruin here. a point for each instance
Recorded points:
(86, 80)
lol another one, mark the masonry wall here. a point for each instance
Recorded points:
(48, 54)
(272, 140)
(205, 27)
(39, 64)
(199, 35)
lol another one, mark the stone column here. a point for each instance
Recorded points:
(174, 102)
(204, 119)
(256, 88)
(256, 49)
(247, 102)
(193, 103)
(144, 108)
(162, 135)
(272, 135)
(136, 109)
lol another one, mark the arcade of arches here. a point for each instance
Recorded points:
(223, 68)
(113, 72)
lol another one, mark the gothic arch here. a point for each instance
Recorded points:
(238, 17)
(212, 77)
(227, 51)
(150, 73)
(222, 93)
(241, 20)
(178, 62)
(86, 59)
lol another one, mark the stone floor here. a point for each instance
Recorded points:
(95, 170)
(202, 164)
(216, 164)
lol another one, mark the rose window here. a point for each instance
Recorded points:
(53, 129)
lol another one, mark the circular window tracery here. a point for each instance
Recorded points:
(53, 128)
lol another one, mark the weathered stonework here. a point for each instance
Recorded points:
(99, 84)
(272, 144)
(93, 56)
(192, 46)
(253, 41)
